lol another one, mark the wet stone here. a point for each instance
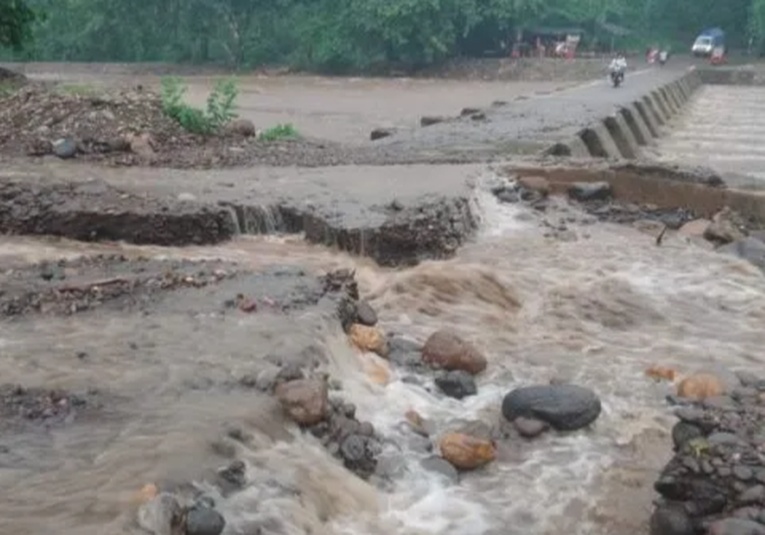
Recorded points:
(736, 526)
(203, 520)
(565, 407)
(359, 453)
(590, 191)
(682, 432)
(529, 427)
(441, 466)
(456, 384)
(751, 495)
(365, 314)
(671, 520)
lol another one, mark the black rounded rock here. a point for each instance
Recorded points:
(671, 520)
(565, 407)
(202, 520)
(456, 384)
(365, 314)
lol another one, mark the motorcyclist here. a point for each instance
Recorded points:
(619, 63)
(663, 55)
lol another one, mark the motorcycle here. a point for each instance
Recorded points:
(617, 77)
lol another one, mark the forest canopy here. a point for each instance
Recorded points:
(346, 35)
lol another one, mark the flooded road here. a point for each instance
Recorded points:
(596, 308)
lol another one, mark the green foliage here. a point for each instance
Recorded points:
(16, 19)
(279, 132)
(341, 36)
(219, 110)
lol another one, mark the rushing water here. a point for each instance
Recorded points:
(597, 307)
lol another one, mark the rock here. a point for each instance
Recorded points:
(39, 147)
(530, 427)
(142, 145)
(147, 493)
(736, 526)
(377, 369)
(404, 352)
(379, 133)
(187, 197)
(465, 452)
(590, 191)
(456, 384)
(162, 515)
(682, 432)
(241, 127)
(700, 386)
(368, 339)
(752, 495)
(696, 228)
(661, 373)
(365, 314)
(65, 148)
(441, 466)
(359, 454)
(419, 424)
(429, 120)
(671, 520)
(565, 407)
(203, 520)
(535, 183)
(750, 249)
(306, 401)
(448, 351)
(749, 379)
(725, 227)
(744, 473)
(469, 111)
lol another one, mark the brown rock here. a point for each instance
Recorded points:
(725, 227)
(466, 452)
(448, 351)
(418, 424)
(535, 183)
(368, 338)
(147, 493)
(306, 401)
(700, 386)
(661, 373)
(377, 369)
(695, 228)
(142, 145)
(241, 127)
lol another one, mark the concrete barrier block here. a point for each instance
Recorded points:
(655, 103)
(622, 136)
(637, 125)
(648, 116)
(669, 100)
(679, 90)
(660, 105)
(676, 95)
(599, 142)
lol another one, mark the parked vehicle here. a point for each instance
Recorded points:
(707, 41)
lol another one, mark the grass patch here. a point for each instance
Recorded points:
(218, 111)
(279, 132)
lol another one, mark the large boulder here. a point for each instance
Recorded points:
(448, 351)
(565, 407)
(750, 249)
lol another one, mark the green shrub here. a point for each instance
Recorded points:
(219, 110)
(280, 131)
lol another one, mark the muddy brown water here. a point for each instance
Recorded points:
(598, 305)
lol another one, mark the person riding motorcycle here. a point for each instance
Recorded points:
(617, 68)
(619, 64)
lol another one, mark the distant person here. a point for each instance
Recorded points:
(663, 56)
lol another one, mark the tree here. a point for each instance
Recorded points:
(16, 19)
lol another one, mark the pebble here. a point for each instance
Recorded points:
(529, 427)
